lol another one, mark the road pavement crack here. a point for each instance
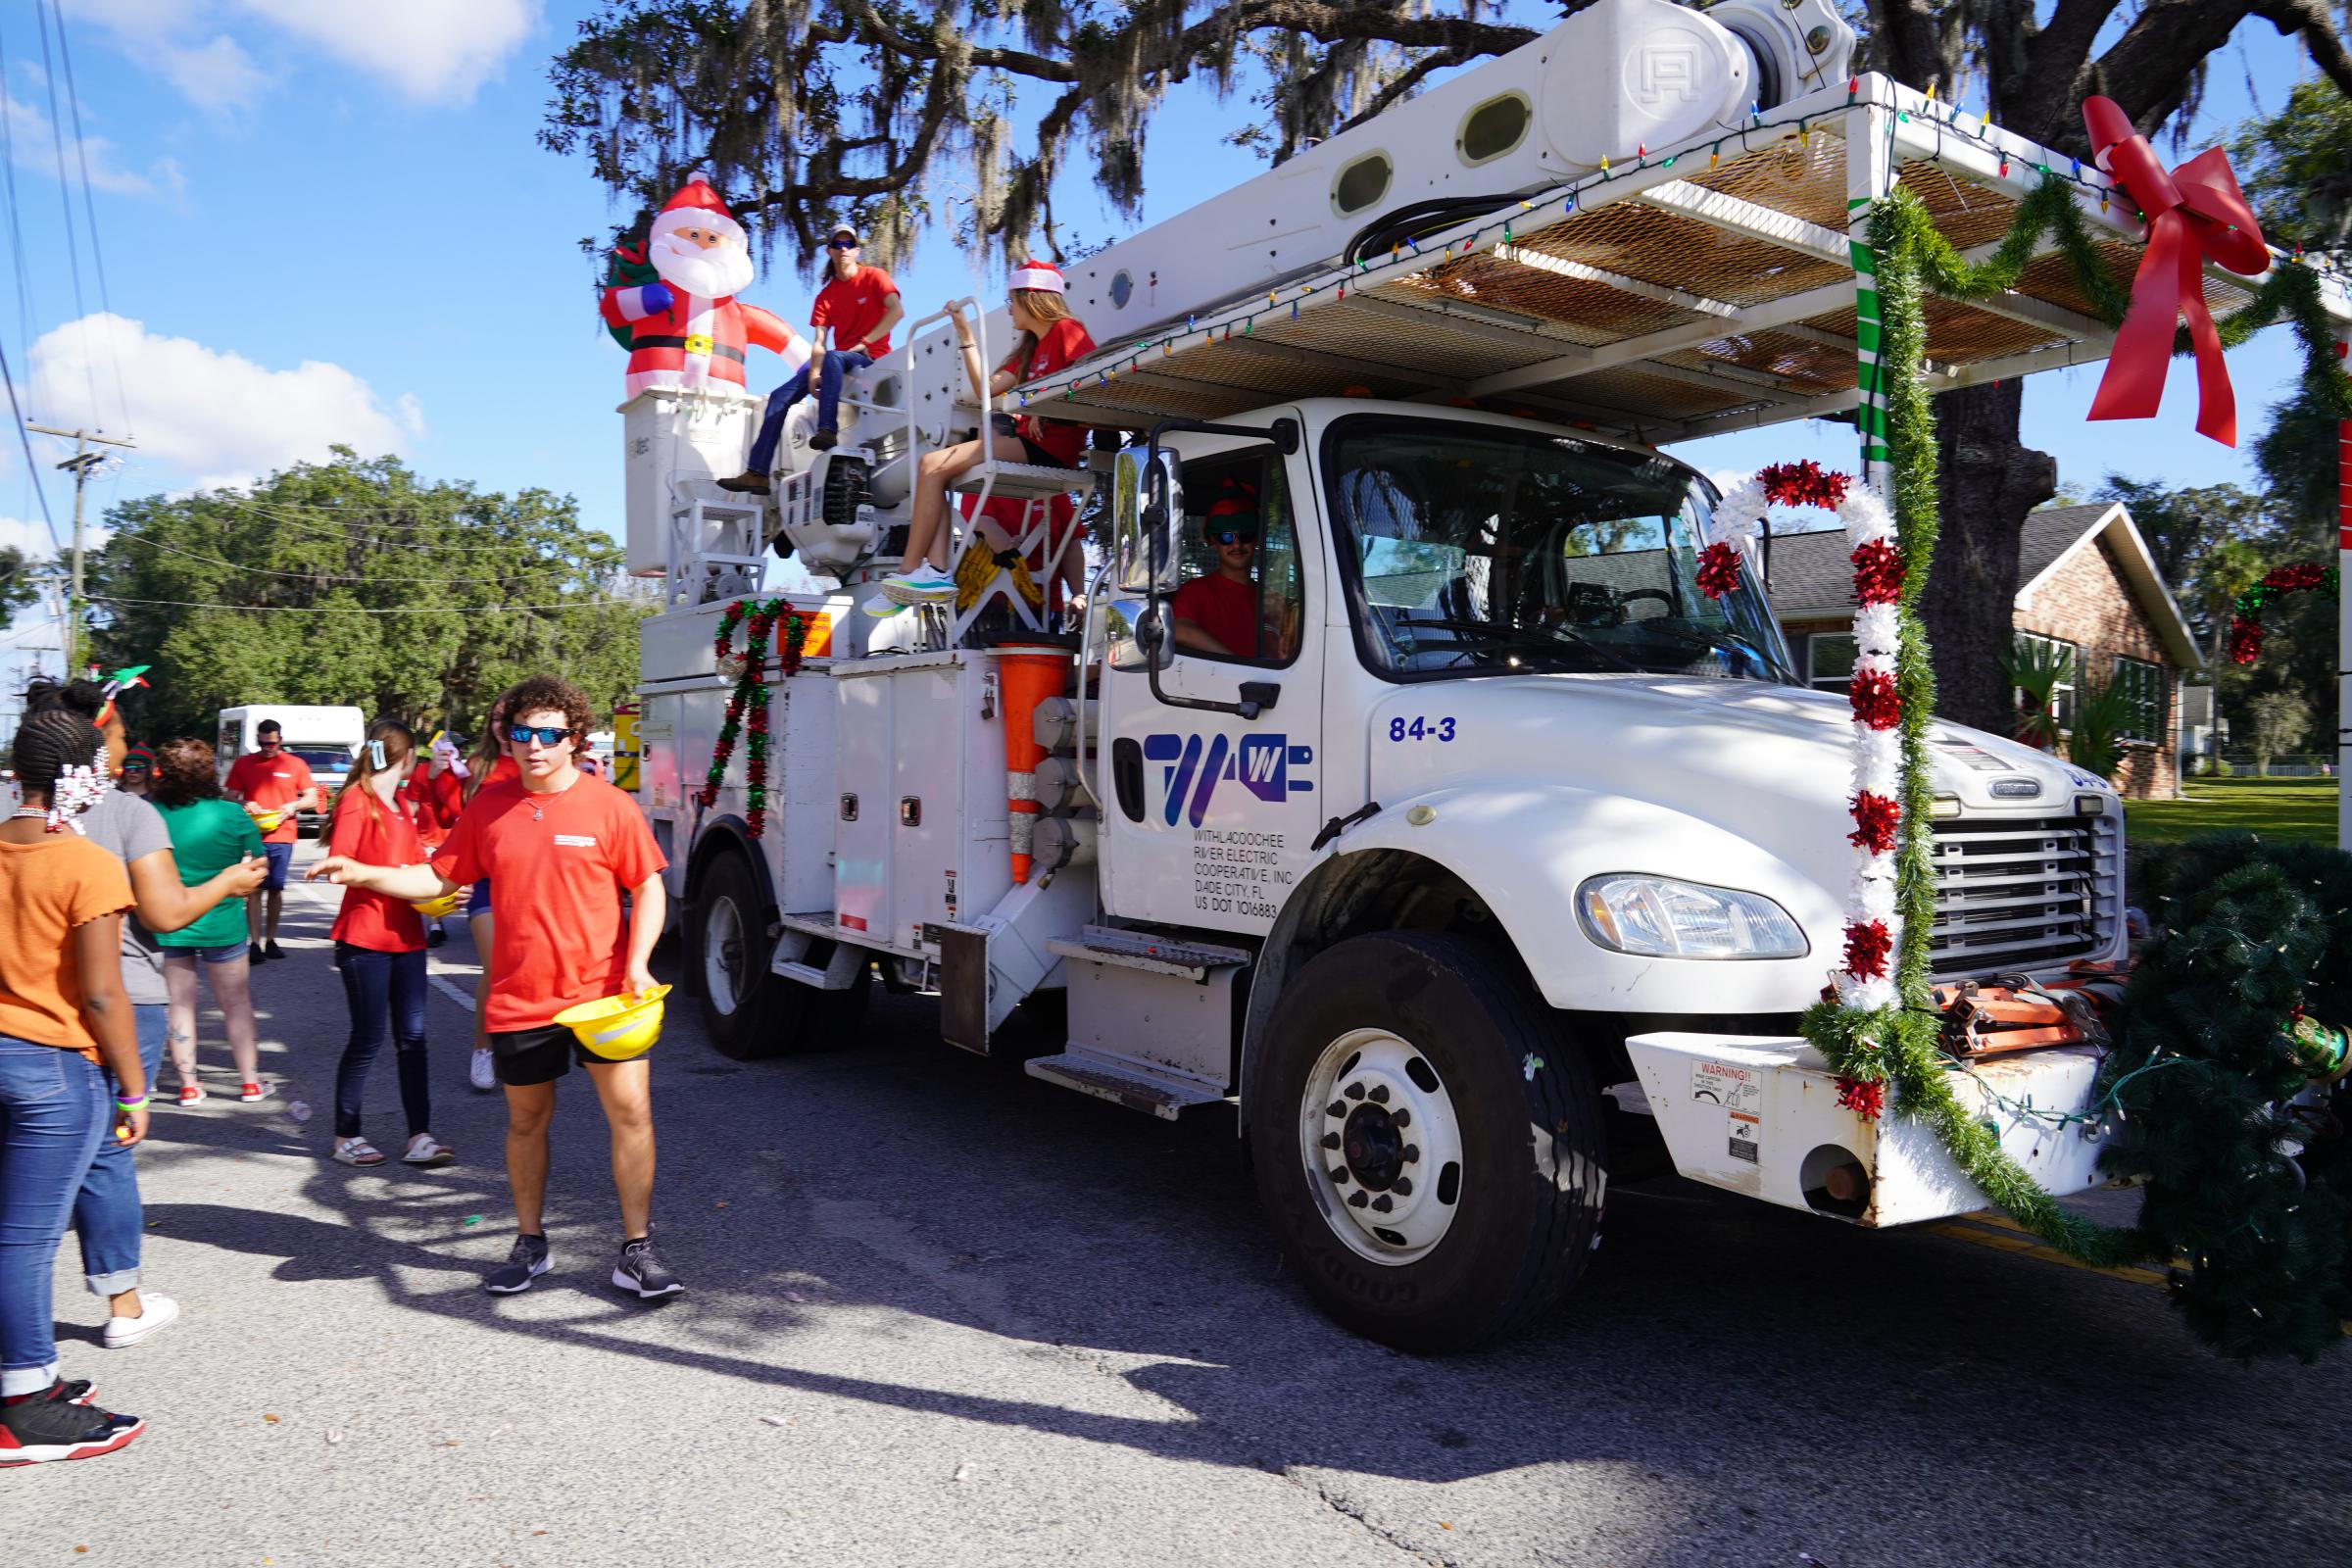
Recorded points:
(1350, 1511)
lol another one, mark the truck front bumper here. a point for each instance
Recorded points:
(1759, 1115)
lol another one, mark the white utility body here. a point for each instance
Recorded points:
(1510, 860)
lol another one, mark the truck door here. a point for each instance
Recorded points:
(1207, 814)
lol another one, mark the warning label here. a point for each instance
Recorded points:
(1740, 1090)
(1237, 872)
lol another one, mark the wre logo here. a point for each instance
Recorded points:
(1191, 767)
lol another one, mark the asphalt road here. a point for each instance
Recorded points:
(944, 1314)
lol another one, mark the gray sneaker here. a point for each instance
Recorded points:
(525, 1263)
(642, 1274)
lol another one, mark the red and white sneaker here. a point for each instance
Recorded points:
(50, 1426)
(252, 1093)
(191, 1093)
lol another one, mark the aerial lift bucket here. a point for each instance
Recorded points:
(1028, 673)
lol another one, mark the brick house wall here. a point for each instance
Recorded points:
(2085, 600)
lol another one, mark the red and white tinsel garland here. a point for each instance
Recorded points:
(1874, 925)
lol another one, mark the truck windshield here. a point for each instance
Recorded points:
(1482, 551)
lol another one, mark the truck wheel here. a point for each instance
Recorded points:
(1427, 1141)
(726, 953)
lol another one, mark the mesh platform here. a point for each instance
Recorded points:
(1716, 284)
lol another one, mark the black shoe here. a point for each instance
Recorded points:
(747, 482)
(640, 1272)
(824, 441)
(525, 1263)
(255, 952)
(435, 937)
(275, 952)
(50, 1427)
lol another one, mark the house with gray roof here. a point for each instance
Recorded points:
(2086, 587)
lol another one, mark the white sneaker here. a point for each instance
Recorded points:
(882, 607)
(482, 1074)
(925, 584)
(156, 1314)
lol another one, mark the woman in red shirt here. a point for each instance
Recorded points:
(1052, 339)
(379, 949)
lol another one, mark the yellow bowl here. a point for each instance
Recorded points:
(616, 1028)
(268, 821)
(435, 908)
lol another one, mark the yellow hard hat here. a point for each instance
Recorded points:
(268, 821)
(435, 908)
(618, 1028)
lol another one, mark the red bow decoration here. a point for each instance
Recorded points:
(2193, 212)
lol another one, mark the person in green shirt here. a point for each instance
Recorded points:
(208, 833)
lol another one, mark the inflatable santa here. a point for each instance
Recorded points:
(687, 331)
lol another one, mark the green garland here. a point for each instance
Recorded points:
(1898, 1048)
(2253, 950)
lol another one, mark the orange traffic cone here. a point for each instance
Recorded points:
(1028, 674)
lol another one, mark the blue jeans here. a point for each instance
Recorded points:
(837, 364)
(53, 1113)
(107, 1215)
(381, 986)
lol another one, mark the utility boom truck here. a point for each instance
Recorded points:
(1498, 859)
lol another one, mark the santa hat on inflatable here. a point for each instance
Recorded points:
(1043, 276)
(697, 206)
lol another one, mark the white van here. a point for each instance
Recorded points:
(325, 738)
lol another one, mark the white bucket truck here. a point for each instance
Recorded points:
(1505, 860)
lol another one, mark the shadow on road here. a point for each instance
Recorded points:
(1719, 1351)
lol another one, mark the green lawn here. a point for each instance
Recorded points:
(2275, 808)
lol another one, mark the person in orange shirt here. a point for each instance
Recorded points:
(272, 781)
(379, 949)
(65, 1026)
(558, 849)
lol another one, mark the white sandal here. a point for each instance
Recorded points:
(358, 1151)
(426, 1150)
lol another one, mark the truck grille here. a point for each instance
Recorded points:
(2028, 893)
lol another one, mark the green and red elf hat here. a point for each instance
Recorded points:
(121, 681)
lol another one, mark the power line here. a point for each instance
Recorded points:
(89, 207)
(32, 463)
(349, 577)
(329, 531)
(358, 609)
(64, 197)
(16, 230)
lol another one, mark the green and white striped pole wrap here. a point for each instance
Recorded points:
(1870, 367)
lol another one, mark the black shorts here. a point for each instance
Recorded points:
(541, 1055)
(1031, 452)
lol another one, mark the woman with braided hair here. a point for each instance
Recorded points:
(65, 1031)
(168, 899)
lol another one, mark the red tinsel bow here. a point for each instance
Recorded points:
(1864, 1099)
(2193, 212)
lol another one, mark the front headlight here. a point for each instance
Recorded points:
(1659, 917)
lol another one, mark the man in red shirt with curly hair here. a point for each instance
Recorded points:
(558, 849)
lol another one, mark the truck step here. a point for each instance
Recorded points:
(1023, 480)
(1124, 1083)
(1153, 955)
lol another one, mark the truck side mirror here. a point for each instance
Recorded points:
(1148, 511)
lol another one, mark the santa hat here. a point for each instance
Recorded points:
(1043, 276)
(697, 206)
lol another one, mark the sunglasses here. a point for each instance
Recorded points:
(267, 740)
(1235, 536)
(545, 735)
(844, 244)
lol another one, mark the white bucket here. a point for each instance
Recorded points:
(672, 439)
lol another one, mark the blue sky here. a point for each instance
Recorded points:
(329, 221)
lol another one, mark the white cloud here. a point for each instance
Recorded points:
(433, 51)
(209, 414)
(27, 535)
(430, 51)
(36, 144)
(216, 76)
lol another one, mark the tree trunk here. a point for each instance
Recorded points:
(1990, 481)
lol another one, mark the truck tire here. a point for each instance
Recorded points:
(746, 1010)
(1427, 1139)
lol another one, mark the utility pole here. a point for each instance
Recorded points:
(82, 463)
